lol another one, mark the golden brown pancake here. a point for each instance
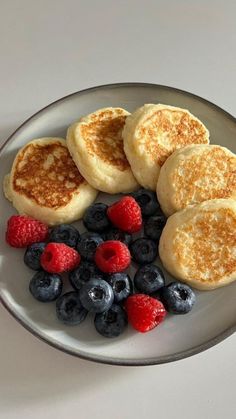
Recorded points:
(46, 184)
(96, 146)
(153, 132)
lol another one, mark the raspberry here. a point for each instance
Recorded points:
(144, 312)
(23, 231)
(112, 256)
(58, 257)
(126, 214)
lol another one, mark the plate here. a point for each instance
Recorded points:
(214, 315)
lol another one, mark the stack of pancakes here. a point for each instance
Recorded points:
(159, 147)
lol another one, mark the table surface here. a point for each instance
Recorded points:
(49, 49)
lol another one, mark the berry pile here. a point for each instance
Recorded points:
(95, 262)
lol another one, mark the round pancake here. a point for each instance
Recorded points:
(96, 146)
(194, 174)
(153, 132)
(45, 184)
(198, 244)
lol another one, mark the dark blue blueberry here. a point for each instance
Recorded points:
(111, 323)
(33, 254)
(177, 298)
(149, 279)
(121, 285)
(88, 244)
(95, 218)
(147, 201)
(116, 234)
(143, 251)
(96, 295)
(154, 225)
(85, 271)
(69, 309)
(65, 233)
(45, 287)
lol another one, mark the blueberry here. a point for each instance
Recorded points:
(96, 295)
(69, 309)
(65, 233)
(121, 285)
(149, 279)
(88, 244)
(147, 201)
(143, 250)
(33, 254)
(95, 218)
(111, 323)
(154, 226)
(177, 298)
(45, 287)
(85, 271)
(116, 234)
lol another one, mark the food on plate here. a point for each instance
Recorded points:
(88, 243)
(96, 295)
(177, 298)
(32, 256)
(111, 323)
(144, 312)
(23, 231)
(194, 174)
(96, 146)
(58, 257)
(83, 273)
(69, 309)
(96, 219)
(198, 244)
(143, 250)
(149, 279)
(122, 285)
(112, 256)
(154, 225)
(181, 176)
(45, 287)
(65, 233)
(147, 201)
(153, 132)
(126, 214)
(45, 184)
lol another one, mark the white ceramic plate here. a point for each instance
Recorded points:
(214, 315)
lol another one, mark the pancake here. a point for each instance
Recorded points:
(96, 146)
(152, 133)
(198, 244)
(194, 174)
(45, 184)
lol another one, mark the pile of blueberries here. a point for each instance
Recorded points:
(104, 294)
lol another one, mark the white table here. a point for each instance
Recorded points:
(48, 49)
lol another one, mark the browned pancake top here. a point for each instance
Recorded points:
(208, 175)
(174, 129)
(46, 174)
(103, 137)
(207, 244)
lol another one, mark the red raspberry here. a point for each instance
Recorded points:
(144, 312)
(58, 257)
(126, 214)
(23, 231)
(112, 256)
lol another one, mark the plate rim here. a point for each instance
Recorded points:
(104, 359)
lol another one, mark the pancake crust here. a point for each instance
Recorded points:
(194, 174)
(198, 244)
(96, 146)
(153, 132)
(46, 184)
